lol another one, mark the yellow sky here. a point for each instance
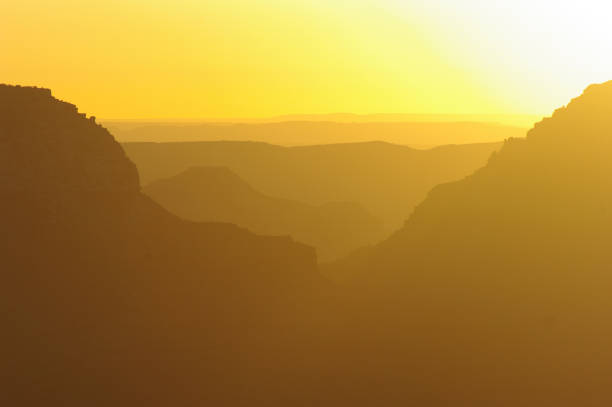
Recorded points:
(255, 58)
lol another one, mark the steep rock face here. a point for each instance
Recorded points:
(546, 194)
(48, 145)
(217, 194)
(59, 167)
(506, 274)
(110, 299)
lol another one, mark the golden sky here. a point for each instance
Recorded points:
(256, 58)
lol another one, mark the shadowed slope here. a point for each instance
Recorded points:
(217, 194)
(494, 293)
(508, 270)
(108, 299)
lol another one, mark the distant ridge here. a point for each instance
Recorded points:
(387, 180)
(296, 133)
(519, 120)
(219, 195)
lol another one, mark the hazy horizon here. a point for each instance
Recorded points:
(511, 119)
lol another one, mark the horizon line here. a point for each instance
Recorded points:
(293, 117)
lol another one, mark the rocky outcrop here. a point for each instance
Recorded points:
(47, 144)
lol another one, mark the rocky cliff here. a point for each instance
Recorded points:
(110, 299)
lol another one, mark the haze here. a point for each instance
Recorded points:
(313, 203)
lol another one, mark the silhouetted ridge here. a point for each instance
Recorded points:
(509, 269)
(111, 299)
(218, 194)
(210, 176)
(60, 147)
(495, 292)
(548, 191)
(419, 133)
(385, 179)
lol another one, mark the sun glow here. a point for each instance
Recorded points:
(131, 59)
(533, 52)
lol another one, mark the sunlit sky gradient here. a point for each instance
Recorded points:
(254, 58)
